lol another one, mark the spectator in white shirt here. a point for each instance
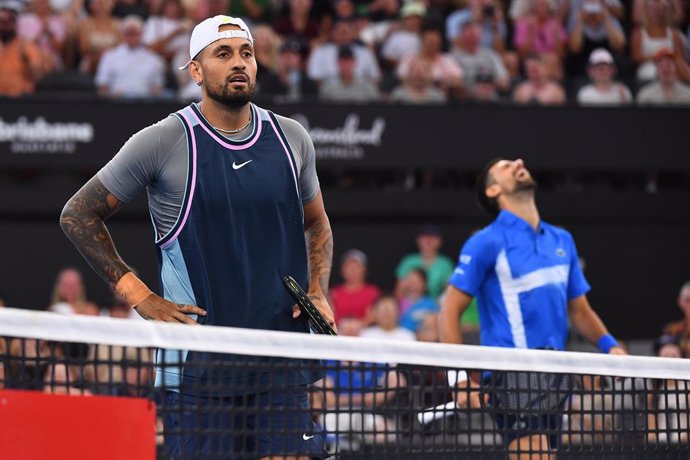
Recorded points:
(323, 61)
(168, 32)
(475, 59)
(406, 38)
(130, 70)
(603, 90)
(347, 87)
(668, 89)
(386, 315)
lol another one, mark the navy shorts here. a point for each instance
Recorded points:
(240, 427)
(527, 403)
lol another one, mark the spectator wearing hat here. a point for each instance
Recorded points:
(592, 27)
(486, 89)
(603, 90)
(130, 70)
(289, 81)
(355, 297)
(437, 266)
(323, 61)
(405, 39)
(347, 87)
(538, 88)
(667, 89)
(479, 61)
(21, 63)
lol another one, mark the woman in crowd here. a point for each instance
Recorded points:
(98, 32)
(541, 32)
(266, 48)
(657, 32)
(69, 294)
(47, 29)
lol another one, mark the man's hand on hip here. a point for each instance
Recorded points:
(157, 308)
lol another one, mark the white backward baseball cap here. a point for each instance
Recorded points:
(208, 31)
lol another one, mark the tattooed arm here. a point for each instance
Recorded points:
(320, 254)
(83, 221)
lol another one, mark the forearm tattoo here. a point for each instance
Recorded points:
(320, 251)
(82, 220)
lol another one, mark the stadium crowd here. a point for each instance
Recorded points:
(365, 399)
(593, 52)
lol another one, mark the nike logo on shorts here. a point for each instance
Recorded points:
(238, 166)
(307, 438)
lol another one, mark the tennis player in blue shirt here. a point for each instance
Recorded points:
(528, 283)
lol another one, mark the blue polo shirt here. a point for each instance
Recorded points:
(523, 280)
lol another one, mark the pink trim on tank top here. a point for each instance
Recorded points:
(191, 189)
(230, 146)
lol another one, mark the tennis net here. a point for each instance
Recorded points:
(225, 393)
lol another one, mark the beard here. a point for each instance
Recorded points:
(525, 186)
(231, 98)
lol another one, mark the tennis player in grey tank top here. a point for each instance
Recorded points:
(155, 158)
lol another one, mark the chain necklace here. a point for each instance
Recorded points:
(234, 131)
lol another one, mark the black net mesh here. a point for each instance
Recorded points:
(231, 406)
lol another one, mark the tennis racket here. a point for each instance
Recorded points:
(317, 323)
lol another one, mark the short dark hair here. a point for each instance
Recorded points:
(490, 205)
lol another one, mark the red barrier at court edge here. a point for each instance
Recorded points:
(38, 426)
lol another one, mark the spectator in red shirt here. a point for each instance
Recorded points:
(354, 297)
